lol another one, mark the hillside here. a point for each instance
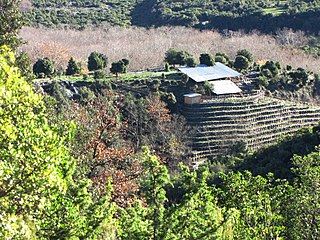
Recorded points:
(266, 16)
(254, 122)
(94, 146)
(145, 48)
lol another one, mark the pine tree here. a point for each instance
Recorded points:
(73, 67)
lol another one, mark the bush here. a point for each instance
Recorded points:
(222, 57)
(97, 61)
(272, 67)
(241, 62)
(174, 56)
(99, 74)
(119, 67)
(44, 67)
(167, 67)
(207, 59)
(190, 61)
(262, 81)
(245, 53)
(73, 67)
(23, 62)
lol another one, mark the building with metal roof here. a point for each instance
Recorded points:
(220, 87)
(203, 73)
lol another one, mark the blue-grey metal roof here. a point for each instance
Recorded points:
(192, 95)
(224, 87)
(203, 73)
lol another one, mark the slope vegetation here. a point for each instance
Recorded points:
(222, 125)
(266, 16)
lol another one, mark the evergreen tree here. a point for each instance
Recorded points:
(207, 59)
(246, 54)
(303, 208)
(119, 67)
(175, 56)
(11, 22)
(222, 57)
(97, 61)
(23, 62)
(73, 67)
(191, 61)
(44, 67)
(241, 62)
(196, 216)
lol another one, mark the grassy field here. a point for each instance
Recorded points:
(275, 11)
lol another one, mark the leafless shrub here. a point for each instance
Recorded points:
(145, 48)
(287, 36)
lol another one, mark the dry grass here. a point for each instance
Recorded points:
(145, 48)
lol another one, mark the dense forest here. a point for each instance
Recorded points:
(265, 16)
(94, 150)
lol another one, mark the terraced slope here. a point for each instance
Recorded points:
(257, 122)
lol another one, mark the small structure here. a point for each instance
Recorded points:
(203, 73)
(220, 87)
(191, 98)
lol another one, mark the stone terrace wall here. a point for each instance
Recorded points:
(257, 122)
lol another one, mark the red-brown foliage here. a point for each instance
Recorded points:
(110, 157)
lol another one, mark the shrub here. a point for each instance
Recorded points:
(119, 67)
(174, 56)
(241, 62)
(245, 53)
(272, 67)
(44, 67)
(207, 59)
(73, 67)
(97, 61)
(98, 74)
(262, 81)
(190, 61)
(223, 56)
(23, 62)
(167, 67)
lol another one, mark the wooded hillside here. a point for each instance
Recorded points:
(266, 16)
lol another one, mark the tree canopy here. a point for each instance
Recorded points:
(11, 21)
(38, 197)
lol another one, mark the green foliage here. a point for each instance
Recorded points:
(246, 54)
(265, 16)
(299, 76)
(97, 61)
(125, 61)
(38, 197)
(11, 22)
(167, 67)
(207, 59)
(190, 62)
(99, 74)
(221, 57)
(196, 216)
(273, 67)
(304, 208)
(258, 202)
(44, 67)
(241, 62)
(175, 56)
(73, 67)
(119, 67)
(23, 62)
(262, 80)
